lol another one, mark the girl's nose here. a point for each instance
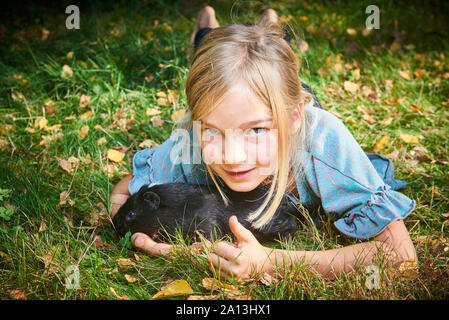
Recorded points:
(235, 148)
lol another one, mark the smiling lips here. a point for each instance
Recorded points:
(239, 175)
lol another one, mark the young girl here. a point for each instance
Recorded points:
(243, 82)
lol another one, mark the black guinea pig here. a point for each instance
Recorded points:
(165, 209)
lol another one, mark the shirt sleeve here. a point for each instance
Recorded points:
(167, 163)
(339, 175)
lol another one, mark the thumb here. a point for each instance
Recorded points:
(241, 233)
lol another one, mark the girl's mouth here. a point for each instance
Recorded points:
(239, 175)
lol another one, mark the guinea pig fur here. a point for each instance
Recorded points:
(163, 210)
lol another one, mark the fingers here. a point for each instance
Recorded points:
(241, 233)
(144, 243)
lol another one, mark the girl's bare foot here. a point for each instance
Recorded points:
(206, 18)
(269, 15)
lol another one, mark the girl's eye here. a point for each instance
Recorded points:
(211, 132)
(257, 131)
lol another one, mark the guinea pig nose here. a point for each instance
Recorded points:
(130, 216)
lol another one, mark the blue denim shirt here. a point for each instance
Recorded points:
(357, 190)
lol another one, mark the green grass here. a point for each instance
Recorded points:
(113, 52)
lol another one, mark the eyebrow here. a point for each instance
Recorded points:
(245, 124)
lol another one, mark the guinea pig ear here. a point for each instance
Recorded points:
(152, 199)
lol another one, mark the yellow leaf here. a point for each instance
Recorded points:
(69, 55)
(351, 31)
(40, 123)
(356, 74)
(124, 297)
(351, 87)
(172, 96)
(101, 141)
(408, 138)
(381, 143)
(82, 133)
(152, 112)
(86, 115)
(176, 288)
(405, 74)
(178, 114)
(368, 118)
(42, 226)
(366, 32)
(162, 102)
(115, 155)
(130, 278)
(214, 285)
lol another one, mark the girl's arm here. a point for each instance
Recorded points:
(249, 257)
(120, 194)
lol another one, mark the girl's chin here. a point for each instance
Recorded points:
(243, 186)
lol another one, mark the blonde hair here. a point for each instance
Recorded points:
(260, 56)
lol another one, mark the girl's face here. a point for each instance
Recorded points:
(239, 140)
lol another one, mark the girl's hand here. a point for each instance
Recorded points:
(243, 260)
(144, 243)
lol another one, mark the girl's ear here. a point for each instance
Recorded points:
(296, 117)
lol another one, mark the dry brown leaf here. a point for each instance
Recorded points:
(42, 226)
(207, 297)
(152, 112)
(17, 294)
(84, 101)
(156, 121)
(408, 270)
(124, 297)
(405, 74)
(86, 115)
(322, 72)
(40, 122)
(368, 118)
(395, 46)
(174, 289)
(64, 197)
(172, 96)
(64, 164)
(351, 87)
(82, 133)
(130, 278)
(147, 143)
(101, 141)
(125, 263)
(351, 31)
(386, 121)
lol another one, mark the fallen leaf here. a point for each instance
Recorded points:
(172, 96)
(86, 115)
(101, 141)
(322, 72)
(84, 101)
(64, 197)
(368, 118)
(69, 55)
(420, 73)
(147, 143)
(156, 121)
(351, 87)
(356, 74)
(66, 72)
(386, 121)
(125, 263)
(17, 294)
(351, 31)
(176, 288)
(408, 270)
(395, 46)
(178, 114)
(405, 74)
(40, 122)
(82, 133)
(207, 297)
(124, 297)
(98, 241)
(381, 144)
(115, 155)
(366, 32)
(152, 112)
(408, 138)
(130, 278)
